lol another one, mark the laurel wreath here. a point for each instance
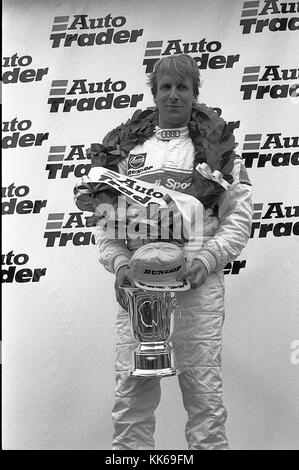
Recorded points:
(213, 141)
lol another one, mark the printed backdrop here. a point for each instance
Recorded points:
(72, 70)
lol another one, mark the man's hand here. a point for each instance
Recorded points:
(196, 274)
(122, 278)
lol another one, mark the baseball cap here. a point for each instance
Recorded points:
(155, 266)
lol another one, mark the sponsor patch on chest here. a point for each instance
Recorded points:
(136, 161)
(136, 164)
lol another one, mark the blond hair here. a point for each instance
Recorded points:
(181, 66)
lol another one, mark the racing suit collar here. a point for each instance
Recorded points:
(169, 134)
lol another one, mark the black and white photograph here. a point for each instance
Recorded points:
(150, 301)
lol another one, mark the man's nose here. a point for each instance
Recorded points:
(173, 93)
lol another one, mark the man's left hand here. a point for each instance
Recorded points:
(196, 274)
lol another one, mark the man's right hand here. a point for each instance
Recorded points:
(122, 278)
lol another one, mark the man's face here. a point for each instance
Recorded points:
(174, 100)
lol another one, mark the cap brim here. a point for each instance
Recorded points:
(178, 287)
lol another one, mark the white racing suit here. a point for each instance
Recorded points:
(197, 333)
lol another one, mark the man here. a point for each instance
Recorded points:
(170, 156)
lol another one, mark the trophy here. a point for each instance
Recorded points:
(152, 303)
(151, 315)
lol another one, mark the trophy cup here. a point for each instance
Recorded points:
(151, 323)
(151, 304)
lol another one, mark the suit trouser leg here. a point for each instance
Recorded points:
(136, 398)
(197, 342)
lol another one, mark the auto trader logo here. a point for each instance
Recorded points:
(285, 226)
(62, 162)
(61, 230)
(257, 16)
(108, 91)
(279, 79)
(274, 149)
(12, 272)
(88, 31)
(20, 137)
(155, 49)
(14, 202)
(17, 73)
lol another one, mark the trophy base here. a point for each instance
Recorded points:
(151, 373)
(153, 364)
